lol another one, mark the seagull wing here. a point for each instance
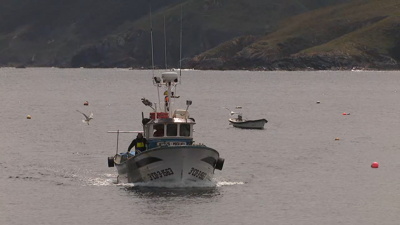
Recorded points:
(83, 114)
(231, 112)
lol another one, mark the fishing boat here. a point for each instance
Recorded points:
(239, 122)
(171, 156)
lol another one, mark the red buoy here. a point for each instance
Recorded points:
(86, 103)
(344, 114)
(374, 165)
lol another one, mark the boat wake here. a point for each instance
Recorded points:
(202, 184)
(227, 183)
(104, 180)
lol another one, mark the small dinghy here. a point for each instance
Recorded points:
(239, 122)
(248, 124)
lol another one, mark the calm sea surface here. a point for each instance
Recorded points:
(53, 167)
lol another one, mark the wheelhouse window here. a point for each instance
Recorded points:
(158, 130)
(184, 130)
(172, 130)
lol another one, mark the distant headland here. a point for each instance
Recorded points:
(217, 34)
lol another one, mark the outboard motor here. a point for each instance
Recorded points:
(110, 161)
(219, 164)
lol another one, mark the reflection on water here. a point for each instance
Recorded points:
(186, 189)
(172, 191)
(162, 192)
(171, 203)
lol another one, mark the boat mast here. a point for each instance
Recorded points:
(168, 84)
(180, 50)
(180, 53)
(169, 109)
(152, 45)
(152, 58)
(165, 45)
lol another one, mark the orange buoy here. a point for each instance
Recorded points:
(336, 139)
(374, 165)
(29, 117)
(86, 103)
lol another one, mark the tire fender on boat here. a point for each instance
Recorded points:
(219, 164)
(111, 161)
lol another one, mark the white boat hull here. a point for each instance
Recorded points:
(177, 164)
(248, 124)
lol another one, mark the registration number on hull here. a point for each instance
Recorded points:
(171, 143)
(161, 173)
(197, 173)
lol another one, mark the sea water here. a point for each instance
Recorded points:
(54, 168)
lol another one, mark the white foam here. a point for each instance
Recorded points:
(100, 181)
(110, 179)
(103, 180)
(227, 183)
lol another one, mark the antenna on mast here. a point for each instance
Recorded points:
(180, 50)
(165, 45)
(155, 80)
(152, 45)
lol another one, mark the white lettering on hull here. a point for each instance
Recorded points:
(171, 143)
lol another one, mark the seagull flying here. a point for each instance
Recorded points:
(88, 118)
(232, 112)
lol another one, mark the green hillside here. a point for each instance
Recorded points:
(358, 34)
(103, 33)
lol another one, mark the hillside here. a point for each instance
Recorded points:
(360, 34)
(102, 33)
(49, 33)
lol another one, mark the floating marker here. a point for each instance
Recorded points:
(86, 103)
(344, 114)
(374, 165)
(318, 102)
(29, 117)
(336, 139)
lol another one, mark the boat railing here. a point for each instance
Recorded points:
(123, 132)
